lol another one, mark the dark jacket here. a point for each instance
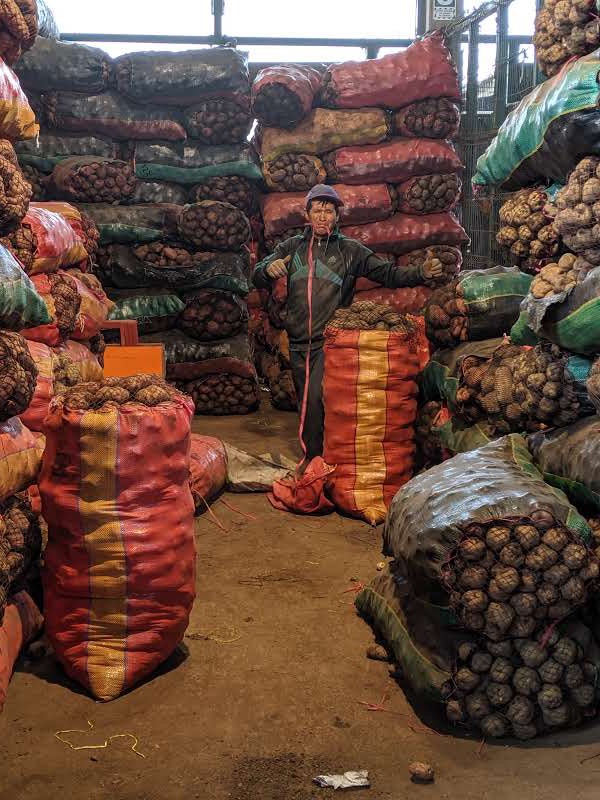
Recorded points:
(338, 263)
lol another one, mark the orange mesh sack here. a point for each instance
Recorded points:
(17, 120)
(119, 570)
(370, 397)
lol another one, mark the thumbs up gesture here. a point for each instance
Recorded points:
(279, 268)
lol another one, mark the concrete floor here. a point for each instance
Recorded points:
(268, 690)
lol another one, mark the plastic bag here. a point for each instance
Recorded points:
(304, 494)
(17, 120)
(153, 310)
(58, 244)
(184, 78)
(133, 224)
(194, 162)
(50, 149)
(391, 162)
(370, 398)
(95, 306)
(119, 568)
(110, 114)
(22, 622)
(208, 469)
(496, 481)
(123, 270)
(549, 132)
(362, 204)
(323, 130)
(568, 460)
(402, 233)
(20, 304)
(282, 95)
(417, 633)
(425, 69)
(571, 321)
(53, 65)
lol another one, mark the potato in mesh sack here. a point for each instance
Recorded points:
(578, 210)
(165, 254)
(20, 546)
(279, 382)
(565, 29)
(89, 179)
(218, 121)
(15, 194)
(227, 189)
(526, 230)
(22, 243)
(523, 687)
(429, 194)
(97, 346)
(509, 577)
(212, 314)
(520, 389)
(37, 181)
(430, 450)
(449, 257)
(481, 304)
(18, 28)
(293, 172)
(282, 95)
(364, 315)
(560, 276)
(222, 393)
(148, 390)
(434, 118)
(63, 301)
(211, 225)
(272, 242)
(18, 375)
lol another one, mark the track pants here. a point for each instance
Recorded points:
(315, 412)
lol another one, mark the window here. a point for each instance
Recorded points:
(177, 17)
(264, 54)
(335, 19)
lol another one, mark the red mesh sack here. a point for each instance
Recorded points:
(119, 571)
(391, 162)
(208, 469)
(425, 69)
(361, 204)
(282, 95)
(35, 415)
(402, 233)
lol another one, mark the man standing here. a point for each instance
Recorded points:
(322, 267)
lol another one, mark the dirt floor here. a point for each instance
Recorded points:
(271, 686)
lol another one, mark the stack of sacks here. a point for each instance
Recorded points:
(396, 174)
(160, 164)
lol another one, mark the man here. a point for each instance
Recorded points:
(321, 267)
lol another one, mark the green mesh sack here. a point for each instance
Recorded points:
(551, 129)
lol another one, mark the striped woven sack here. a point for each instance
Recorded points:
(119, 572)
(370, 396)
